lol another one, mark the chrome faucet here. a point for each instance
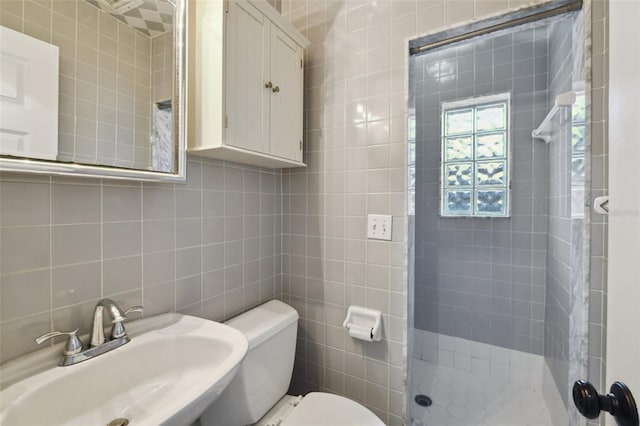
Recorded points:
(74, 352)
(96, 334)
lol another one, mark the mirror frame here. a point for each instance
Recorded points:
(26, 165)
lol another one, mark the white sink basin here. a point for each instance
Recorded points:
(173, 368)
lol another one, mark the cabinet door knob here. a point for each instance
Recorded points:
(276, 89)
(268, 85)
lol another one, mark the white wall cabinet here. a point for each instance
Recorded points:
(245, 84)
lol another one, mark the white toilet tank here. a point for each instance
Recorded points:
(265, 373)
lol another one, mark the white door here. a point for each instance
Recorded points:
(247, 100)
(623, 309)
(28, 96)
(286, 98)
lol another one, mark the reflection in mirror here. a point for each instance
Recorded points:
(115, 81)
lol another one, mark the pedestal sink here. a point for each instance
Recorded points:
(173, 368)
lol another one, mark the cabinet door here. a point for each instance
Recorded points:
(286, 97)
(247, 99)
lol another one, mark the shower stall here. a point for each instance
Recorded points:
(497, 228)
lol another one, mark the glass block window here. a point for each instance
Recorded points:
(578, 122)
(578, 161)
(411, 132)
(475, 157)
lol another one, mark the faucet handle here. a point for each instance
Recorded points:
(73, 345)
(134, 309)
(117, 330)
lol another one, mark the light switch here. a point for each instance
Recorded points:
(379, 227)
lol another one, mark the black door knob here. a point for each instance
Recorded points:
(618, 402)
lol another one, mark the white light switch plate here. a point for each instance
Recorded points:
(379, 227)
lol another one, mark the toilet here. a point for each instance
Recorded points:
(258, 393)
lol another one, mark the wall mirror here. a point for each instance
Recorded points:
(93, 88)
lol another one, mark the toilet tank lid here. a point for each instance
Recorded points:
(264, 321)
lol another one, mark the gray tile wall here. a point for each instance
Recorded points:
(559, 236)
(162, 67)
(355, 152)
(483, 278)
(558, 352)
(209, 248)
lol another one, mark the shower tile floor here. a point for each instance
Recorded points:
(466, 399)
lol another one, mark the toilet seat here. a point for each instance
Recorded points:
(325, 409)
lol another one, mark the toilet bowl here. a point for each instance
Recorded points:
(257, 395)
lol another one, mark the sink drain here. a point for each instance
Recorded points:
(118, 422)
(423, 400)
